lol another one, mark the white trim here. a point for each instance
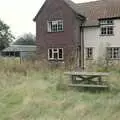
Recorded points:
(112, 55)
(55, 22)
(87, 52)
(53, 52)
(48, 26)
(62, 54)
(105, 25)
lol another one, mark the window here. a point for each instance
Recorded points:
(113, 53)
(11, 54)
(55, 54)
(106, 22)
(89, 53)
(107, 27)
(107, 30)
(55, 26)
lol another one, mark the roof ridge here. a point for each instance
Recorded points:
(73, 6)
(97, 1)
(90, 2)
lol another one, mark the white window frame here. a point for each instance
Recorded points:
(111, 55)
(107, 25)
(107, 32)
(88, 56)
(53, 52)
(57, 23)
(106, 22)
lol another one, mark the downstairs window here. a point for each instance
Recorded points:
(113, 53)
(55, 54)
(89, 53)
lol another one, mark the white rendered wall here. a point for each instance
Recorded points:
(92, 38)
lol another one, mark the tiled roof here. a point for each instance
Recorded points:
(99, 10)
(95, 10)
(73, 6)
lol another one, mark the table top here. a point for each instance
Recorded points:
(87, 73)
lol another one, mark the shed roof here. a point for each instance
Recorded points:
(20, 48)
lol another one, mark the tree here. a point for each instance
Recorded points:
(26, 39)
(6, 36)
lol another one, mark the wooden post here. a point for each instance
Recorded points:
(20, 58)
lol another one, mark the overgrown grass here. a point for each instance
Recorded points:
(36, 92)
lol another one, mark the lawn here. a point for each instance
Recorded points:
(33, 93)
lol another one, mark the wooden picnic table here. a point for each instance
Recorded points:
(88, 79)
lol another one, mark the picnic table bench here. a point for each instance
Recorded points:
(88, 79)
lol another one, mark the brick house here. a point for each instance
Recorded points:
(82, 32)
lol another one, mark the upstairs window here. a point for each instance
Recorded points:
(113, 53)
(89, 53)
(107, 27)
(106, 22)
(55, 26)
(107, 30)
(55, 54)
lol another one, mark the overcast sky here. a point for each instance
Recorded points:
(19, 14)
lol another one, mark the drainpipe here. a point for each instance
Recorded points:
(82, 45)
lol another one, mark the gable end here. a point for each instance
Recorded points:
(69, 3)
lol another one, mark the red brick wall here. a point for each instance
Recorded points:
(54, 10)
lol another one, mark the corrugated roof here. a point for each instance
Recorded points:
(20, 48)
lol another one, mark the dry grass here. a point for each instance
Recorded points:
(37, 92)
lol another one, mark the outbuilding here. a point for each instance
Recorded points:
(21, 51)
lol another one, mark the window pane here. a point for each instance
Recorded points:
(12, 54)
(110, 30)
(60, 26)
(7, 54)
(55, 56)
(50, 53)
(55, 49)
(90, 53)
(60, 53)
(116, 53)
(109, 21)
(106, 22)
(103, 30)
(49, 26)
(17, 54)
(109, 52)
(54, 28)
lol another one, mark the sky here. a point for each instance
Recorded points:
(19, 14)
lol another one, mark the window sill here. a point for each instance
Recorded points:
(106, 35)
(56, 32)
(55, 60)
(114, 59)
(89, 59)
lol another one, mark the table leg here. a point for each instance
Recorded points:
(100, 80)
(73, 79)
